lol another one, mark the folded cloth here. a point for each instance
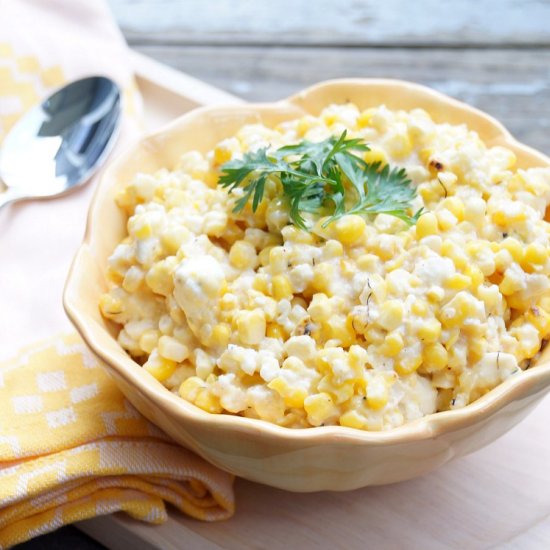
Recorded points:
(71, 446)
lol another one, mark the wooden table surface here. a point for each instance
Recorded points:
(493, 54)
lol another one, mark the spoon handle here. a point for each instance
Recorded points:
(10, 195)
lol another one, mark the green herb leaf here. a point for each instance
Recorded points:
(322, 176)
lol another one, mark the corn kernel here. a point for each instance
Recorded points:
(292, 396)
(514, 247)
(435, 356)
(319, 407)
(430, 331)
(341, 329)
(477, 347)
(349, 229)
(393, 344)
(367, 262)
(407, 365)
(251, 326)
(509, 286)
(160, 367)
(172, 349)
(110, 305)
(458, 282)
(148, 340)
(281, 288)
(208, 402)
(323, 275)
(540, 319)
(536, 253)
(275, 331)
(352, 419)
(242, 255)
(190, 388)
(475, 275)
(319, 308)
(375, 154)
(426, 225)
(260, 283)
(222, 154)
(277, 259)
(456, 206)
(451, 250)
(377, 393)
(391, 314)
(221, 333)
(419, 307)
(159, 278)
(332, 249)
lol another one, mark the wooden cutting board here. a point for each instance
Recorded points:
(498, 497)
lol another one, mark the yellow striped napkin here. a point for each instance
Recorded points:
(71, 447)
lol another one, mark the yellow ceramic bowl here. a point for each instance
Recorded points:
(313, 459)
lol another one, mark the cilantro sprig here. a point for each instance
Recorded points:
(326, 177)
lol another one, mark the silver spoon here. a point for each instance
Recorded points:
(60, 143)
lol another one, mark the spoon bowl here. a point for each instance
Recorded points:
(60, 143)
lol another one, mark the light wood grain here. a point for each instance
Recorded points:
(515, 88)
(329, 22)
(497, 498)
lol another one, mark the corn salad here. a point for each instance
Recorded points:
(365, 323)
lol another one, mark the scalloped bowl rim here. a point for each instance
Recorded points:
(427, 427)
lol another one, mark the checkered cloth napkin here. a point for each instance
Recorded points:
(71, 446)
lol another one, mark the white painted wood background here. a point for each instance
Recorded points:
(494, 54)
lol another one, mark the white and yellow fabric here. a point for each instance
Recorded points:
(71, 447)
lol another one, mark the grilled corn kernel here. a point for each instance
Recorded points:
(435, 356)
(393, 344)
(281, 288)
(391, 314)
(251, 326)
(172, 349)
(426, 225)
(430, 331)
(319, 407)
(349, 229)
(243, 255)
